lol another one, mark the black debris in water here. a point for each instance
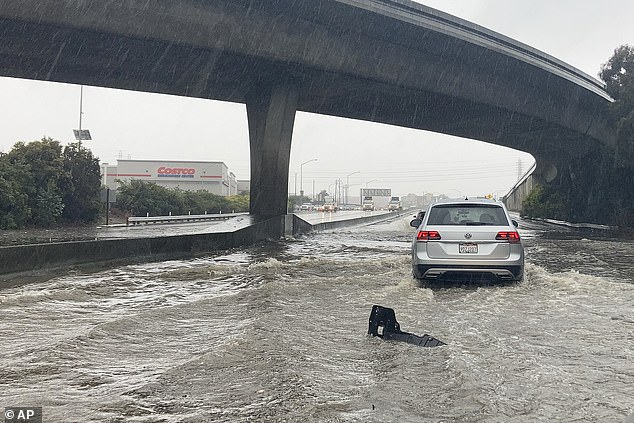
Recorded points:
(383, 324)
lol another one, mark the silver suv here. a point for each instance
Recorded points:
(463, 238)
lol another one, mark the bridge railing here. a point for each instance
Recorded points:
(150, 220)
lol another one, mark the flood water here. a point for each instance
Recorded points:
(277, 332)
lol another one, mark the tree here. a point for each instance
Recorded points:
(40, 185)
(238, 203)
(141, 197)
(544, 202)
(618, 75)
(43, 163)
(81, 185)
(14, 208)
(199, 202)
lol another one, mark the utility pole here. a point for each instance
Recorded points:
(347, 200)
(301, 180)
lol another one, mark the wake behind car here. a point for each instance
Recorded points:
(470, 237)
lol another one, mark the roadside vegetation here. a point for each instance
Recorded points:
(602, 191)
(44, 185)
(543, 202)
(141, 198)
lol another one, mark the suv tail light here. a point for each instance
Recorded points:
(427, 235)
(512, 237)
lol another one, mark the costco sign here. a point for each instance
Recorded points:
(175, 172)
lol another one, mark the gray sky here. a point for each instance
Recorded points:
(126, 124)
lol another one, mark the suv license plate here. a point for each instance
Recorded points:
(468, 248)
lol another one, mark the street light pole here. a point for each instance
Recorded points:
(348, 185)
(301, 179)
(81, 134)
(81, 110)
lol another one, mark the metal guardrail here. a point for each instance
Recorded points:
(577, 225)
(151, 220)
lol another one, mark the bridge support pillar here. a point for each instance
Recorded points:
(271, 115)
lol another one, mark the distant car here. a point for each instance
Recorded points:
(463, 238)
(306, 207)
(328, 207)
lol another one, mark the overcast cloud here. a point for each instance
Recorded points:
(150, 126)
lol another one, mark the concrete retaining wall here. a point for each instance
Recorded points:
(36, 257)
(301, 226)
(514, 199)
(26, 258)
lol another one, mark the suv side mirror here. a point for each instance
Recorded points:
(415, 223)
(515, 223)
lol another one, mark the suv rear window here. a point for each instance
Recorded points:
(467, 214)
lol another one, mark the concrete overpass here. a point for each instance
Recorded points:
(389, 61)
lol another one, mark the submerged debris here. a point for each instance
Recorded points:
(384, 325)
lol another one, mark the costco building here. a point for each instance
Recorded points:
(213, 177)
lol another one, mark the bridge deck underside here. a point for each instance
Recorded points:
(48, 52)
